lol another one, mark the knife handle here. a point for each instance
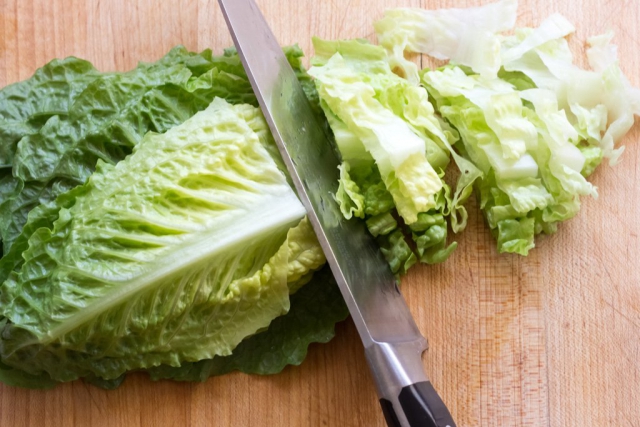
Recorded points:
(406, 395)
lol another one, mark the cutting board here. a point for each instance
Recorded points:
(552, 339)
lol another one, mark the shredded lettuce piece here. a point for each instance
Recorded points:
(543, 55)
(394, 150)
(557, 135)
(397, 252)
(529, 194)
(554, 27)
(348, 196)
(465, 36)
(399, 152)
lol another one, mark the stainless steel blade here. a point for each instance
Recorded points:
(369, 288)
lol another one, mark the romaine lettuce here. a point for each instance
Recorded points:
(315, 309)
(155, 108)
(103, 120)
(151, 264)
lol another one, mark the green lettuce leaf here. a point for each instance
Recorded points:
(26, 106)
(315, 309)
(211, 76)
(104, 122)
(150, 265)
(18, 378)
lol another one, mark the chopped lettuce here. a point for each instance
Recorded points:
(533, 124)
(354, 82)
(394, 151)
(532, 168)
(599, 102)
(465, 36)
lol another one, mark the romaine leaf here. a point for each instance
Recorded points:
(18, 378)
(103, 120)
(150, 264)
(26, 106)
(211, 76)
(106, 120)
(315, 309)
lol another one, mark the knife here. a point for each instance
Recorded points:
(392, 341)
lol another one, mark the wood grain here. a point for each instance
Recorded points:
(548, 340)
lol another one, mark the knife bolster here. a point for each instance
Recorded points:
(396, 365)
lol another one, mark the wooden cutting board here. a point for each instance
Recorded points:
(550, 339)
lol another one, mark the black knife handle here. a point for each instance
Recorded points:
(406, 395)
(421, 405)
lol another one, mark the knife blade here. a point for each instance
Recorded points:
(393, 343)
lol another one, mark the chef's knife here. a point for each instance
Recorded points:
(393, 344)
